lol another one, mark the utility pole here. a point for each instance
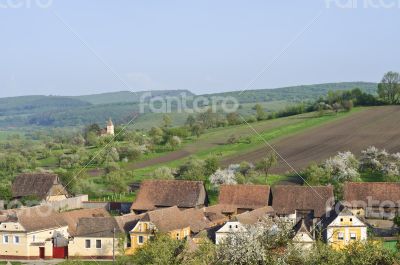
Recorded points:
(114, 245)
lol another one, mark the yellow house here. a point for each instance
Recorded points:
(170, 220)
(32, 233)
(344, 228)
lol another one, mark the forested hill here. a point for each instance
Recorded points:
(60, 111)
(297, 93)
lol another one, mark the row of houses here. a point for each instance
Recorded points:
(181, 209)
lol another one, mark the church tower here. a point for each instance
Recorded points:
(110, 127)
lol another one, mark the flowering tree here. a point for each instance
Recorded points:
(223, 176)
(373, 158)
(256, 244)
(343, 167)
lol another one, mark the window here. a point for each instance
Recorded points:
(353, 236)
(140, 240)
(340, 235)
(341, 219)
(351, 219)
(230, 226)
(5, 239)
(177, 235)
(98, 243)
(16, 239)
(236, 226)
(87, 243)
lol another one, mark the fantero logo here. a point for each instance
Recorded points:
(14, 4)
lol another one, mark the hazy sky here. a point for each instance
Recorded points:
(82, 47)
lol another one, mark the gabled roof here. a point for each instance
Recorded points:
(254, 216)
(72, 217)
(202, 219)
(36, 184)
(166, 219)
(36, 218)
(167, 193)
(244, 196)
(338, 210)
(356, 194)
(286, 199)
(302, 227)
(97, 227)
(127, 222)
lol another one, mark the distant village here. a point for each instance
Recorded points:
(64, 226)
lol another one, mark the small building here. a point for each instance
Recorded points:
(168, 220)
(241, 220)
(302, 202)
(108, 130)
(42, 186)
(95, 238)
(33, 233)
(155, 194)
(303, 237)
(341, 227)
(242, 198)
(372, 199)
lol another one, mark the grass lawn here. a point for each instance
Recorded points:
(390, 245)
(86, 262)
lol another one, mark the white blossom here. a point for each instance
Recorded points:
(225, 176)
(343, 166)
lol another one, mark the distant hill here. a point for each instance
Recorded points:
(296, 93)
(58, 111)
(129, 96)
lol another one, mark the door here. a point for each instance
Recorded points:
(60, 252)
(41, 252)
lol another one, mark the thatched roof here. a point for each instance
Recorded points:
(37, 184)
(166, 219)
(97, 227)
(287, 199)
(362, 194)
(167, 193)
(244, 196)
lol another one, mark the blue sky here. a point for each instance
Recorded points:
(84, 47)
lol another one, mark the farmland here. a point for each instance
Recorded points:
(353, 133)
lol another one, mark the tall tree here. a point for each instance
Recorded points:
(267, 163)
(389, 88)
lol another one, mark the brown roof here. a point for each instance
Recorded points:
(372, 193)
(72, 217)
(97, 227)
(166, 219)
(127, 222)
(204, 218)
(256, 215)
(36, 218)
(166, 193)
(36, 184)
(244, 196)
(286, 199)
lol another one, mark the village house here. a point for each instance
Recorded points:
(342, 227)
(108, 130)
(95, 238)
(155, 194)
(237, 199)
(372, 199)
(41, 186)
(32, 233)
(294, 203)
(170, 220)
(303, 237)
(241, 220)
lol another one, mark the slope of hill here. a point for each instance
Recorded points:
(296, 93)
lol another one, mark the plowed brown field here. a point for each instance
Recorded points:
(378, 126)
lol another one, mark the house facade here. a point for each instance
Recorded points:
(303, 237)
(343, 228)
(32, 233)
(168, 220)
(95, 238)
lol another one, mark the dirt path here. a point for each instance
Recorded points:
(378, 126)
